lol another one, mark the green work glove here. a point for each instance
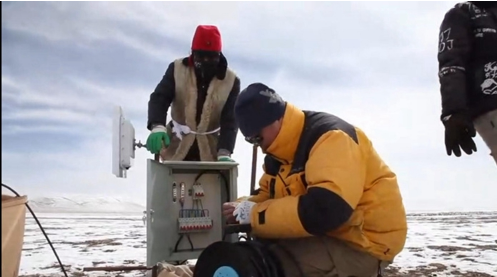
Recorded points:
(157, 139)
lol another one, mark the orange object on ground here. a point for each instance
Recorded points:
(13, 223)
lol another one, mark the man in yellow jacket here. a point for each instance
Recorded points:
(326, 195)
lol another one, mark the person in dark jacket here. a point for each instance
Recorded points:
(201, 91)
(467, 57)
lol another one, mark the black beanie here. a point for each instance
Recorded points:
(256, 107)
(484, 4)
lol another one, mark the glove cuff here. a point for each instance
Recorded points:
(159, 128)
(444, 117)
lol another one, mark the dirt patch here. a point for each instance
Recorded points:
(40, 241)
(470, 274)
(475, 261)
(467, 238)
(446, 248)
(92, 243)
(56, 228)
(56, 265)
(127, 262)
(32, 248)
(67, 267)
(431, 270)
(484, 247)
(71, 274)
(97, 263)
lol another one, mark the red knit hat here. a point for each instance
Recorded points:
(207, 38)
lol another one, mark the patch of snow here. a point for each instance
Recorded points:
(438, 244)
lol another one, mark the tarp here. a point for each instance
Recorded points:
(13, 222)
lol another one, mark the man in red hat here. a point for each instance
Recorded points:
(201, 91)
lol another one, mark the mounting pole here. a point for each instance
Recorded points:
(254, 169)
(139, 144)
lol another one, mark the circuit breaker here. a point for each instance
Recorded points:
(184, 207)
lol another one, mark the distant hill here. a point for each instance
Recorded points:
(83, 204)
(108, 204)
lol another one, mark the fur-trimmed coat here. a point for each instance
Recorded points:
(202, 105)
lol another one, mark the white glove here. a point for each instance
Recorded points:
(242, 212)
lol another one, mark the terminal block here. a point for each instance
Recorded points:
(194, 224)
(194, 221)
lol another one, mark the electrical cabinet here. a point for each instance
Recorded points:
(184, 207)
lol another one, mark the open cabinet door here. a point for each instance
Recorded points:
(123, 143)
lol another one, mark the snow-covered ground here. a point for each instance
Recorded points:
(451, 244)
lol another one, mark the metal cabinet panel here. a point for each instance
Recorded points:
(164, 181)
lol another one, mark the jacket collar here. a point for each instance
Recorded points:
(285, 144)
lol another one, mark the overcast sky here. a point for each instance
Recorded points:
(65, 64)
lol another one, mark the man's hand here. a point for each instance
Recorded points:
(242, 212)
(228, 209)
(459, 134)
(158, 139)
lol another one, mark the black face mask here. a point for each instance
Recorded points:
(206, 62)
(206, 68)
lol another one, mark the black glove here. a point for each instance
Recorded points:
(459, 133)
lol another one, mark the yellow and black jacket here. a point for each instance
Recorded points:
(322, 176)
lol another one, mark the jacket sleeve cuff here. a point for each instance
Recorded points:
(277, 218)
